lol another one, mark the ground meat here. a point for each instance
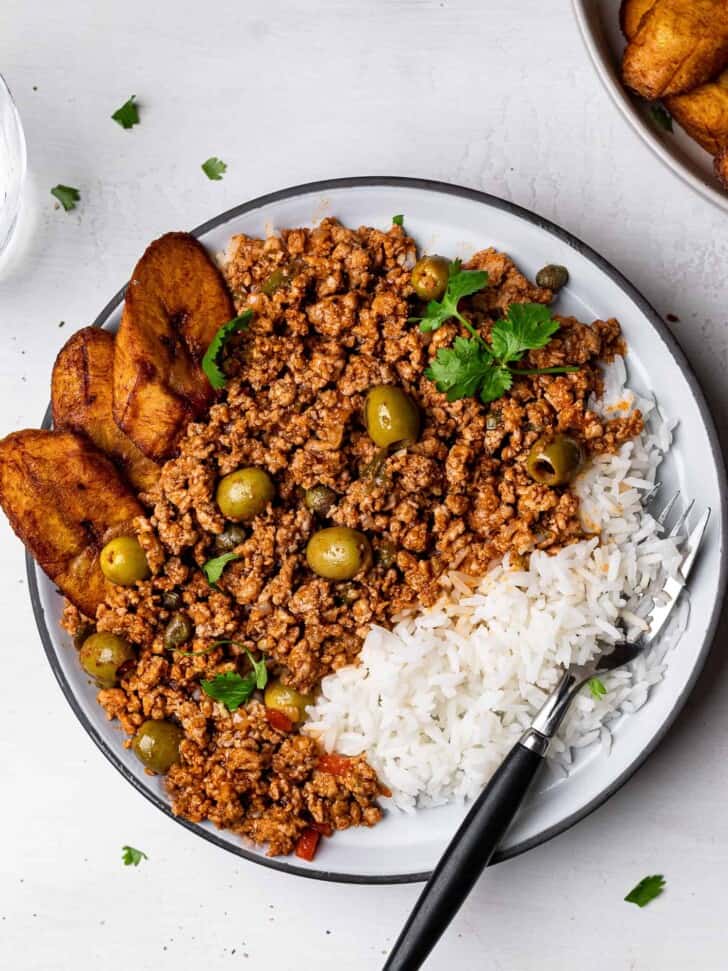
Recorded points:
(332, 318)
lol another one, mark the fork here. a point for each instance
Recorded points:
(493, 811)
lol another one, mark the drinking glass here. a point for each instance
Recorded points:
(12, 164)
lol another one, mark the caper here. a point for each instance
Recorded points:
(386, 554)
(171, 599)
(338, 553)
(319, 499)
(552, 277)
(554, 460)
(273, 282)
(156, 744)
(287, 700)
(85, 630)
(102, 655)
(244, 493)
(123, 561)
(429, 277)
(178, 631)
(391, 416)
(231, 537)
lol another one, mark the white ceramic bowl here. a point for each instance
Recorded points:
(457, 222)
(599, 24)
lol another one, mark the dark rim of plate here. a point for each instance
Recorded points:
(649, 312)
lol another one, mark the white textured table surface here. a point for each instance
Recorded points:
(498, 96)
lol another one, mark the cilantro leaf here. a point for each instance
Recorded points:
(66, 195)
(458, 370)
(213, 568)
(526, 327)
(260, 671)
(398, 220)
(214, 168)
(230, 688)
(646, 890)
(496, 381)
(128, 115)
(461, 283)
(209, 361)
(132, 857)
(597, 688)
(661, 116)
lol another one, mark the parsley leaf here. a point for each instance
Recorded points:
(526, 327)
(260, 671)
(646, 890)
(128, 115)
(661, 117)
(66, 195)
(230, 688)
(458, 370)
(597, 688)
(214, 168)
(473, 367)
(209, 361)
(398, 220)
(461, 283)
(132, 857)
(213, 568)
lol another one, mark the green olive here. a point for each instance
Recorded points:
(231, 537)
(554, 460)
(287, 700)
(429, 277)
(178, 631)
(319, 499)
(102, 655)
(243, 494)
(338, 553)
(552, 277)
(171, 599)
(391, 416)
(123, 561)
(156, 744)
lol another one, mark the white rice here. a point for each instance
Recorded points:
(437, 702)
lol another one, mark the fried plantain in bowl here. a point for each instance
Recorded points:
(703, 113)
(631, 13)
(81, 400)
(65, 500)
(678, 45)
(175, 303)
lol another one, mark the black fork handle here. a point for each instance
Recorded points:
(465, 858)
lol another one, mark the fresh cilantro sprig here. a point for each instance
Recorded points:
(210, 363)
(398, 220)
(131, 856)
(460, 283)
(646, 890)
(214, 168)
(66, 195)
(232, 689)
(597, 688)
(213, 568)
(128, 115)
(661, 116)
(473, 367)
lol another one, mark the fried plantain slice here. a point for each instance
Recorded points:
(175, 303)
(721, 166)
(81, 399)
(631, 13)
(65, 500)
(679, 44)
(703, 113)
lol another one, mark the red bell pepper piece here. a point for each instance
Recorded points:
(279, 721)
(307, 843)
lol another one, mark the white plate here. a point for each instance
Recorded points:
(599, 24)
(457, 222)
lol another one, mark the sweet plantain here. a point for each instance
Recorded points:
(65, 500)
(175, 303)
(81, 398)
(703, 113)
